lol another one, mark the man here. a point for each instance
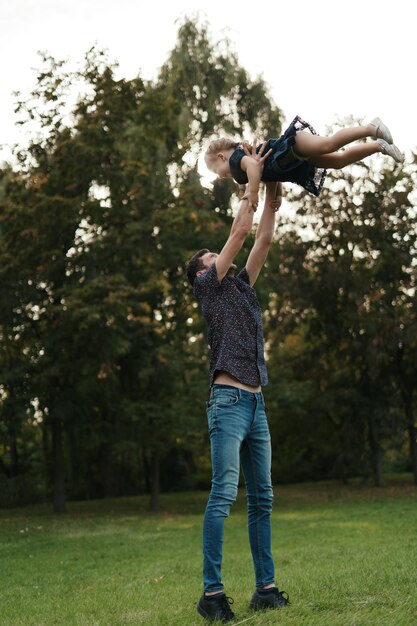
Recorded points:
(237, 422)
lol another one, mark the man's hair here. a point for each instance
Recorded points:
(195, 264)
(220, 144)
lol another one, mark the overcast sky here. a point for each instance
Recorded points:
(322, 60)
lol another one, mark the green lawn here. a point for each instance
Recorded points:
(347, 556)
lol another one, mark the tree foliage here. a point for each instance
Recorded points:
(104, 360)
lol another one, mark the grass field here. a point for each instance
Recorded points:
(347, 556)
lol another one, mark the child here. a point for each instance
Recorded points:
(298, 156)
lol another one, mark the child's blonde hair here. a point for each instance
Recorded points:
(221, 144)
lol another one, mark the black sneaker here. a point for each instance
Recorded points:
(274, 599)
(216, 608)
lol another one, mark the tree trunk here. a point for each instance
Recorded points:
(4, 468)
(146, 472)
(407, 386)
(155, 482)
(412, 434)
(376, 452)
(46, 448)
(109, 486)
(58, 467)
(14, 456)
(74, 461)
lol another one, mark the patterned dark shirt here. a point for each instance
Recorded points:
(234, 322)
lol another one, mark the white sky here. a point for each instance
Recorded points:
(322, 59)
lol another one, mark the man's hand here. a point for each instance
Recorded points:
(253, 164)
(252, 198)
(273, 195)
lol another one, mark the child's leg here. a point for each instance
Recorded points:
(337, 160)
(308, 145)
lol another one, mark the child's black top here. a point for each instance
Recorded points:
(283, 164)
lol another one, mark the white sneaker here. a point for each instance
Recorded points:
(384, 130)
(391, 150)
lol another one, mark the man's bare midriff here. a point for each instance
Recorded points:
(223, 378)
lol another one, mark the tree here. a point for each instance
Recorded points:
(108, 209)
(347, 272)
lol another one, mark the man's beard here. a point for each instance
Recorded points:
(232, 270)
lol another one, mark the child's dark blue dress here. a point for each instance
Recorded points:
(283, 164)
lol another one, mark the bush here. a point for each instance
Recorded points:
(20, 490)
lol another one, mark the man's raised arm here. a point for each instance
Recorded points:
(241, 227)
(265, 231)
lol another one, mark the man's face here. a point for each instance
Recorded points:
(209, 258)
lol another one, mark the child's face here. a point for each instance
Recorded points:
(219, 165)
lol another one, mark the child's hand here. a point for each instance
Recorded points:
(276, 203)
(250, 150)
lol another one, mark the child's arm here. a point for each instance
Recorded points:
(248, 165)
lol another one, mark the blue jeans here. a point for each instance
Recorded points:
(239, 433)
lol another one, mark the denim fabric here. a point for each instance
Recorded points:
(239, 434)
